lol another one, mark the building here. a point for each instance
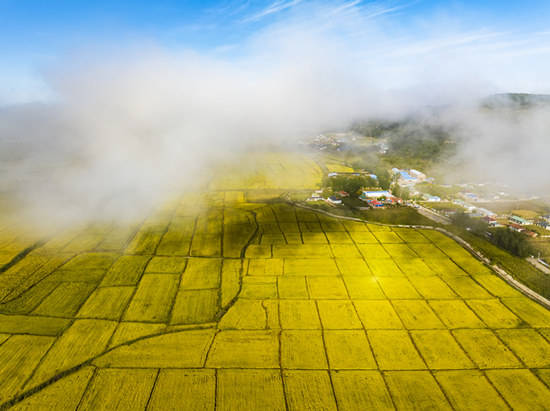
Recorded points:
(403, 175)
(375, 194)
(417, 174)
(485, 213)
(316, 196)
(431, 199)
(518, 220)
(544, 224)
(468, 207)
(516, 227)
(409, 177)
(531, 234)
(470, 196)
(334, 200)
(491, 221)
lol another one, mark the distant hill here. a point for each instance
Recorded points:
(516, 100)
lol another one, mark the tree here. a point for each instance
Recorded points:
(475, 225)
(514, 242)
(349, 184)
(511, 241)
(384, 178)
(396, 190)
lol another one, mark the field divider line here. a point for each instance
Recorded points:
(323, 339)
(223, 310)
(18, 398)
(152, 389)
(22, 255)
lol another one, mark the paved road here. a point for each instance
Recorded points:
(538, 265)
(433, 215)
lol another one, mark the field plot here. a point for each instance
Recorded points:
(233, 299)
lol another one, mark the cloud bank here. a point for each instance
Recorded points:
(127, 126)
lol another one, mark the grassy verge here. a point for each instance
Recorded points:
(517, 267)
(393, 215)
(397, 215)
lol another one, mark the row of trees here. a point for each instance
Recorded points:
(384, 177)
(511, 241)
(514, 242)
(349, 184)
(413, 138)
(401, 192)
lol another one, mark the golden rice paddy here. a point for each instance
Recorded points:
(248, 304)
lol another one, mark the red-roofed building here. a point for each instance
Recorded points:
(516, 227)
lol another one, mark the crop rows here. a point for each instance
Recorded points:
(243, 305)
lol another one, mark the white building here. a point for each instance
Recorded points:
(376, 194)
(417, 174)
(432, 199)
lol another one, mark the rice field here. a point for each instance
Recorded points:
(248, 304)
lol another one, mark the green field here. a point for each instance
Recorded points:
(225, 300)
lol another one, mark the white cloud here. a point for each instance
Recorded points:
(275, 7)
(126, 126)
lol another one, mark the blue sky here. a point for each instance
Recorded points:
(35, 34)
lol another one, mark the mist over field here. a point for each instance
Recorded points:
(121, 126)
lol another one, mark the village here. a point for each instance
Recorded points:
(362, 190)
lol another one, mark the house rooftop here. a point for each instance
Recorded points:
(519, 219)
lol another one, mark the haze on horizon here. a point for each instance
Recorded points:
(157, 94)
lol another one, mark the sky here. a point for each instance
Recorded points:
(36, 35)
(105, 105)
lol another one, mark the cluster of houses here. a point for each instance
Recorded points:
(323, 142)
(514, 223)
(408, 178)
(317, 195)
(373, 198)
(517, 223)
(379, 198)
(354, 173)
(544, 222)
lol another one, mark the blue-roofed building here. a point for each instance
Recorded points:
(518, 220)
(334, 200)
(405, 175)
(470, 196)
(544, 224)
